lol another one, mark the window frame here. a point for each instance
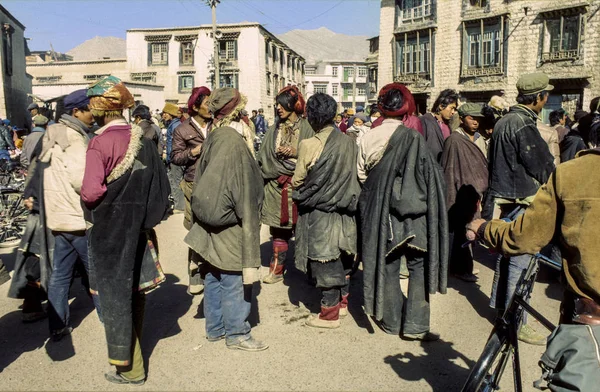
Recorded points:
(334, 71)
(320, 88)
(414, 10)
(230, 50)
(182, 89)
(151, 52)
(410, 64)
(183, 54)
(547, 51)
(483, 43)
(362, 72)
(234, 79)
(334, 90)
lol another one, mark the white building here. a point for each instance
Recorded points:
(15, 81)
(164, 64)
(345, 81)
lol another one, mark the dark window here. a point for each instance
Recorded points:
(7, 48)
(562, 38)
(228, 50)
(229, 80)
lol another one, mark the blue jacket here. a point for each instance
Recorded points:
(170, 129)
(260, 124)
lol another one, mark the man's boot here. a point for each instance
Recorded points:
(328, 318)
(196, 285)
(344, 306)
(277, 265)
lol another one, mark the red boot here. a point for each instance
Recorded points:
(328, 318)
(344, 306)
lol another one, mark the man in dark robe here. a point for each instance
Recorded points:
(277, 160)
(326, 189)
(466, 175)
(403, 213)
(226, 200)
(436, 125)
(126, 189)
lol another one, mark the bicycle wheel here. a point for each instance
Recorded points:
(485, 375)
(13, 218)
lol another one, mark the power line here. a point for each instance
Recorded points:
(321, 14)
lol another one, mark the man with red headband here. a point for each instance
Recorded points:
(277, 159)
(403, 186)
(187, 143)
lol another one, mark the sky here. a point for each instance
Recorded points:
(68, 23)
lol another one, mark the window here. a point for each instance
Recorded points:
(562, 37)
(413, 57)
(267, 54)
(362, 91)
(186, 83)
(334, 71)
(310, 71)
(228, 50)
(159, 53)
(347, 91)
(479, 3)
(268, 84)
(321, 88)
(7, 48)
(229, 80)
(484, 52)
(348, 73)
(482, 44)
(186, 54)
(334, 90)
(48, 79)
(362, 71)
(414, 9)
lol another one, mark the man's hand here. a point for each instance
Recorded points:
(473, 227)
(286, 151)
(29, 203)
(196, 151)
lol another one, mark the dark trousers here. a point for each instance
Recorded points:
(175, 175)
(333, 278)
(461, 259)
(409, 315)
(68, 248)
(135, 370)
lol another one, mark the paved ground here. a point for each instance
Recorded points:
(357, 356)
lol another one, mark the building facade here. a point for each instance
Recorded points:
(345, 81)
(15, 82)
(481, 47)
(164, 64)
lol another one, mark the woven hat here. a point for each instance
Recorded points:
(172, 109)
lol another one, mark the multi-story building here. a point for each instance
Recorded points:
(164, 64)
(345, 81)
(15, 81)
(481, 47)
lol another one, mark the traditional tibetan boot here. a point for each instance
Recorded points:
(344, 306)
(277, 265)
(328, 318)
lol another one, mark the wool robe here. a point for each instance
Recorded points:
(402, 204)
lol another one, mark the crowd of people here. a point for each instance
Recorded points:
(390, 191)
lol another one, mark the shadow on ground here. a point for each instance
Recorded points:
(164, 307)
(438, 366)
(17, 338)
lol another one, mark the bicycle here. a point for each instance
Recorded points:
(503, 343)
(13, 217)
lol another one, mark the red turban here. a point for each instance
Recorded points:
(294, 92)
(406, 111)
(196, 92)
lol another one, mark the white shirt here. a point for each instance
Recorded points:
(373, 144)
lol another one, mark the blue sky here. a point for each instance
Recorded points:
(66, 23)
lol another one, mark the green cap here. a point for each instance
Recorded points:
(534, 83)
(40, 120)
(470, 109)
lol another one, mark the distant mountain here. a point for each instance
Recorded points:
(99, 48)
(323, 44)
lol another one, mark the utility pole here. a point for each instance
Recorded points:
(213, 5)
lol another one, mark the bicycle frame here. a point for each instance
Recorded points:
(507, 326)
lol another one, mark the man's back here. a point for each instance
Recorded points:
(519, 158)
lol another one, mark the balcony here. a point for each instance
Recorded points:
(561, 55)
